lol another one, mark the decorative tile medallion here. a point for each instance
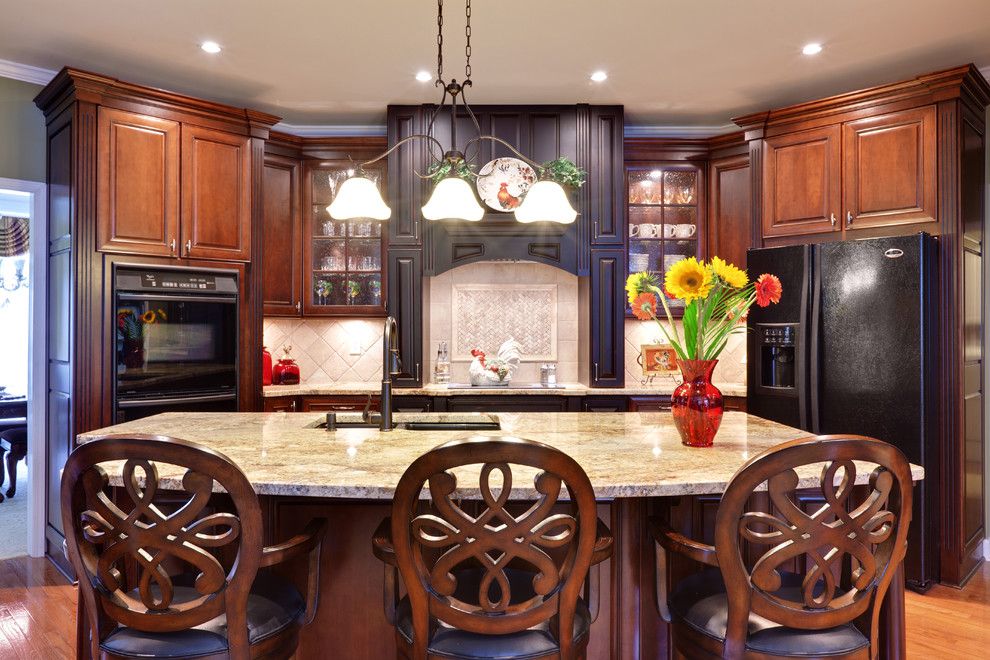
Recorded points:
(485, 315)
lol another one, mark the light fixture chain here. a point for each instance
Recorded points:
(467, 45)
(439, 80)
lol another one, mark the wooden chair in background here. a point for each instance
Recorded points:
(198, 590)
(743, 609)
(490, 584)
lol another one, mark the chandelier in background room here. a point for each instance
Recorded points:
(453, 198)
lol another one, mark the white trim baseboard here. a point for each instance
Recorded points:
(26, 72)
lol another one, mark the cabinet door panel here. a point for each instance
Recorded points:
(802, 182)
(889, 169)
(405, 189)
(729, 227)
(216, 194)
(138, 183)
(405, 303)
(282, 254)
(608, 268)
(607, 177)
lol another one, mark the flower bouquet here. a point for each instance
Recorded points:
(717, 296)
(130, 327)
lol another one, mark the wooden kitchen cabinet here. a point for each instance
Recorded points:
(802, 182)
(281, 404)
(343, 261)
(608, 300)
(281, 259)
(216, 194)
(606, 177)
(138, 183)
(730, 228)
(405, 303)
(888, 170)
(339, 403)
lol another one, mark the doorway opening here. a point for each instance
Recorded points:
(22, 385)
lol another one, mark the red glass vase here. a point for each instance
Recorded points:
(696, 404)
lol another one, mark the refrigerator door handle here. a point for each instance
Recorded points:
(814, 356)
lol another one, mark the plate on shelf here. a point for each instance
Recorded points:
(503, 182)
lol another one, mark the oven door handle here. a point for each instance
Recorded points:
(167, 401)
(179, 298)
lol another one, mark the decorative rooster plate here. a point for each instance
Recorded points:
(503, 183)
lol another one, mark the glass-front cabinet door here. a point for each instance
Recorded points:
(664, 217)
(343, 271)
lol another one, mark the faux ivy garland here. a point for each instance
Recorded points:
(563, 171)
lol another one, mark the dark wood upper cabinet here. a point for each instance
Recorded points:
(889, 165)
(216, 194)
(281, 261)
(608, 302)
(802, 186)
(606, 177)
(138, 183)
(405, 189)
(405, 303)
(729, 203)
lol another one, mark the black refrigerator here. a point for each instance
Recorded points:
(851, 349)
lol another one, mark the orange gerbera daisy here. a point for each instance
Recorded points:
(768, 290)
(644, 307)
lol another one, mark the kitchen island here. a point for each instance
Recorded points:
(635, 461)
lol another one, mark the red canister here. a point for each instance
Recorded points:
(286, 372)
(266, 366)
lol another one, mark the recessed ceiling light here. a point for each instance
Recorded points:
(211, 47)
(599, 76)
(424, 76)
(812, 49)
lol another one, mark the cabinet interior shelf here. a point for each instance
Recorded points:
(657, 205)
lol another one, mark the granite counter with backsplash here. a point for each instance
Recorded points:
(663, 388)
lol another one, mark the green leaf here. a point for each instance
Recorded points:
(563, 171)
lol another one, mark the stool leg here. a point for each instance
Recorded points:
(11, 461)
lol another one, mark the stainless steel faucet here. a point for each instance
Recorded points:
(390, 367)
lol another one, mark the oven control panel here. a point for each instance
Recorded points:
(178, 280)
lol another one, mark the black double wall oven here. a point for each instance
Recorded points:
(175, 342)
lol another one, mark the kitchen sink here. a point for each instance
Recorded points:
(415, 421)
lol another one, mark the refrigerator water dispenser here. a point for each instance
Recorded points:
(777, 355)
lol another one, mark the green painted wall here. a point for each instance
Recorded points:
(22, 132)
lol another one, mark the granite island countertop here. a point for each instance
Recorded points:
(624, 454)
(664, 388)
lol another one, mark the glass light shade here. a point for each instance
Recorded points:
(453, 199)
(358, 197)
(546, 201)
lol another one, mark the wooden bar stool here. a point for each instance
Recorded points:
(172, 576)
(483, 582)
(748, 605)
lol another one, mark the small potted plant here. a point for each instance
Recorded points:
(323, 290)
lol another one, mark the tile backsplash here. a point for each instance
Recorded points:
(483, 304)
(329, 350)
(731, 367)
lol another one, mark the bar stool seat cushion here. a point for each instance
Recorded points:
(273, 605)
(701, 603)
(532, 643)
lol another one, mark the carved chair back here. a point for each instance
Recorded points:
(104, 538)
(867, 537)
(431, 547)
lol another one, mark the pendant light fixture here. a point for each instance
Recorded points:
(453, 197)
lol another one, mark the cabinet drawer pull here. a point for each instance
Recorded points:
(831, 219)
(298, 306)
(171, 246)
(292, 407)
(596, 371)
(417, 371)
(849, 218)
(188, 246)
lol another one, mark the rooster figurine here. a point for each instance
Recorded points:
(507, 200)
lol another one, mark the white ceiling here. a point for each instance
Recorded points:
(684, 64)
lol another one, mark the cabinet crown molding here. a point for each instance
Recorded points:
(962, 81)
(75, 84)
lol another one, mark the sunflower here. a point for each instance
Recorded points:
(148, 317)
(644, 307)
(688, 279)
(768, 290)
(729, 274)
(638, 283)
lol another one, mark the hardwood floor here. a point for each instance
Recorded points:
(38, 612)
